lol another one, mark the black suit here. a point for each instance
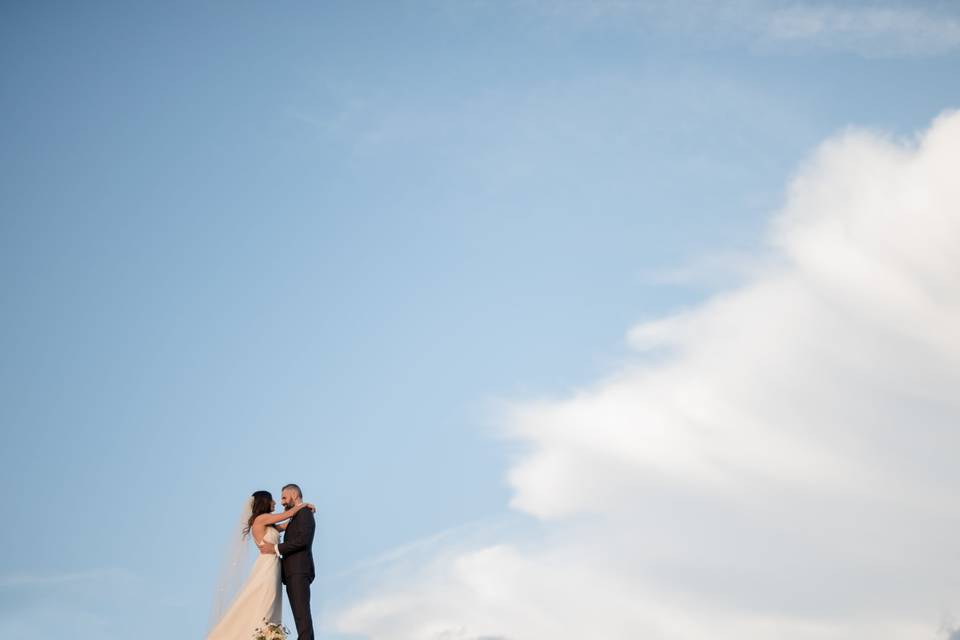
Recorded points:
(296, 569)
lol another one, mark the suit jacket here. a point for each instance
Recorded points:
(295, 550)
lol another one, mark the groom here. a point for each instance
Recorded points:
(296, 560)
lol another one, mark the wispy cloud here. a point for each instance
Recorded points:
(871, 29)
(43, 580)
(57, 604)
(785, 470)
(709, 270)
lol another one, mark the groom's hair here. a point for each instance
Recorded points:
(295, 488)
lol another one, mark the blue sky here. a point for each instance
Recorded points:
(246, 244)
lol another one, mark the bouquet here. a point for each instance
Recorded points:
(271, 631)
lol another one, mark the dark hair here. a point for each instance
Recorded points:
(262, 503)
(295, 488)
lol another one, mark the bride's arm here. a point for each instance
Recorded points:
(267, 519)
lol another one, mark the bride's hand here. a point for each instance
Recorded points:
(311, 506)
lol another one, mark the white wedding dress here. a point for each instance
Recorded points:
(258, 600)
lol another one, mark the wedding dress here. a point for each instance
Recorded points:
(258, 600)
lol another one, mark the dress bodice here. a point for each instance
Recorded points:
(272, 536)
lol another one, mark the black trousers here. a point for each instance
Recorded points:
(298, 593)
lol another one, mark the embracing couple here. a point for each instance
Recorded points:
(258, 601)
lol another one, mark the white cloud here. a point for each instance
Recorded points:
(778, 462)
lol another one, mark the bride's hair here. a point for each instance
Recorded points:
(262, 503)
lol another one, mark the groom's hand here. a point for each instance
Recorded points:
(267, 550)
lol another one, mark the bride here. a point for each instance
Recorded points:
(258, 601)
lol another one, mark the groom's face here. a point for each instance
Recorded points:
(288, 499)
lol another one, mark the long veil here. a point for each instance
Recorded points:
(235, 566)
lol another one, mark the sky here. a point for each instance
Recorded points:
(609, 319)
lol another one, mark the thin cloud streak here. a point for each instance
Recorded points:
(14, 580)
(868, 29)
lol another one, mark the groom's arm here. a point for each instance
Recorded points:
(302, 535)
